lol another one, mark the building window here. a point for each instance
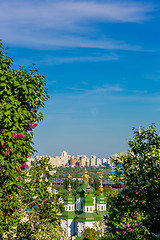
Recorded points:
(69, 208)
(81, 205)
(72, 207)
(87, 209)
(90, 209)
(101, 207)
(98, 207)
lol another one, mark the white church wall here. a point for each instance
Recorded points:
(101, 207)
(79, 204)
(69, 227)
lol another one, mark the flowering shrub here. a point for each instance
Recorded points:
(22, 93)
(40, 210)
(135, 211)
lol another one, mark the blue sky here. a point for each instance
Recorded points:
(101, 60)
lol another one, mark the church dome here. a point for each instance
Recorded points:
(88, 201)
(83, 188)
(101, 199)
(81, 191)
(69, 199)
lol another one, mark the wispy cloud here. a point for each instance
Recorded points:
(49, 24)
(50, 61)
(107, 89)
(154, 77)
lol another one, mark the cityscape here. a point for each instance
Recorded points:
(66, 160)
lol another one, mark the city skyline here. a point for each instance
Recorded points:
(101, 63)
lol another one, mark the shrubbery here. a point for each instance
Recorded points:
(28, 201)
(135, 212)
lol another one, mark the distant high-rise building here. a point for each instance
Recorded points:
(93, 160)
(72, 161)
(64, 154)
(99, 162)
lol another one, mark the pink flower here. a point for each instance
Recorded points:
(117, 226)
(136, 224)
(5, 175)
(122, 225)
(20, 153)
(9, 196)
(131, 201)
(24, 165)
(123, 233)
(6, 153)
(142, 201)
(17, 135)
(130, 229)
(0, 168)
(19, 186)
(27, 156)
(117, 193)
(121, 218)
(33, 124)
(127, 224)
(18, 178)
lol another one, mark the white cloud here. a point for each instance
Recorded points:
(57, 24)
(154, 77)
(50, 61)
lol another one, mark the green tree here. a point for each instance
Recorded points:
(22, 93)
(96, 184)
(89, 234)
(42, 205)
(76, 184)
(135, 212)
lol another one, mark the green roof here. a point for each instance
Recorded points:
(101, 214)
(88, 217)
(88, 201)
(68, 215)
(101, 199)
(69, 199)
(82, 189)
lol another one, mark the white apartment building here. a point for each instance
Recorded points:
(99, 162)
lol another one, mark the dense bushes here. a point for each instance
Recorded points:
(22, 93)
(135, 212)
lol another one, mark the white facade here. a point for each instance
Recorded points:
(79, 203)
(80, 227)
(70, 207)
(69, 227)
(101, 207)
(99, 162)
(88, 209)
(93, 162)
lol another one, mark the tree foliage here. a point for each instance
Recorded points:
(89, 234)
(135, 212)
(22, 93)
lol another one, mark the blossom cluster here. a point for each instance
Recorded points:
(17, 135)
(33, 125)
